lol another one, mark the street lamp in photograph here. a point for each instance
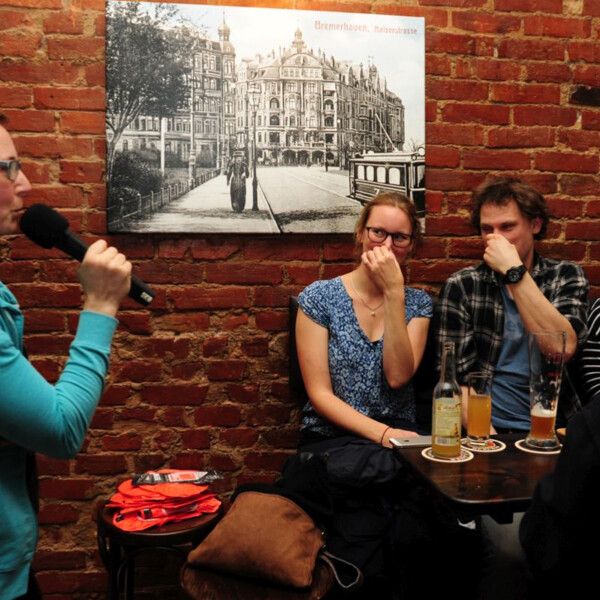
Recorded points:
(254, 98)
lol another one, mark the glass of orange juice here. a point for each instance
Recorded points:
(479, 409)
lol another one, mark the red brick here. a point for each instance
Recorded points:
(239, 438)
(548, 72)
(339, 250)
(481, 22)
(48, 296)
(20, 272)
(243, 393)
(452, 180)
(66, 489)
(256, 461)
(14, 20)
(281, 250)
(226, 370)
(433, 16)
(46, 560)
(233, 321)
(224, 462)
(123, 441)
(215, 346)
(486, 159)
(76, 49)
(550, 115)
(169, 395)
(258, 346)
(103, 464)
(66, 23)
(579, 185)
(557, 27)
(269, 414)
(138, 371)
(212, 249)
(23, 44)
(584, 230)
(443, 89)
(174, 416)
(487, 114)
(531, 49)
(66, 582)
(521, 137)
(336, 270)
(243, 273)
(271, 321)
(438, 272)
(30, 120)
(549, 6)
(52, 466)
(451, 43)
(115, 395)
(227, 416)
(590, 120)
(58, 514)
(15, 96)
(191, 460)
(103, 418)
(187, 370)
(442, 156)
(80, 172)
(568, 162)
(529, 93)
(282, 437)
(149, 462)
(437, 65)
(458, 134)
(138, 413)
(196, 439)
(68, 98)
(182, 322)
(301, 275)
(502, 70)
(591, 7)
(587, 75)
(210, 298)
(583, 51)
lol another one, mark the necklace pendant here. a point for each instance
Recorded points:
(373, 313)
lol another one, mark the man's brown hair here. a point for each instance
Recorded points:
(501, 190)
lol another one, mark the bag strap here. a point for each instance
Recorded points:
(355, 572)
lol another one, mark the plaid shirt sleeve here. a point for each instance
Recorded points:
(566, 286)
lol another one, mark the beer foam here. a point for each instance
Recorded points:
(539, 411)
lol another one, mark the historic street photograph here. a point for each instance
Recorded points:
(227, 119)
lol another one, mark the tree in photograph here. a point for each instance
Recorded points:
(148, 66)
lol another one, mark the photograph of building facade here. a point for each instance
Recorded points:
(312, 107)
(263, 95)
(210, 109)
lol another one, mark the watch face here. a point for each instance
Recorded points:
(515, 274)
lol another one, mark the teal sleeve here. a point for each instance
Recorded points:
(53, 419)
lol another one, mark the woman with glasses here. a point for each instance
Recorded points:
(36, 416)
(361, 336)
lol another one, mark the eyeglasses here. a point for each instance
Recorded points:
(12, 168)
(399, 240)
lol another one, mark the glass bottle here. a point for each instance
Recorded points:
(446, 426)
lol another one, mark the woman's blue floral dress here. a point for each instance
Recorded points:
(355, 362)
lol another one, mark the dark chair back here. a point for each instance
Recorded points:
(296, 382)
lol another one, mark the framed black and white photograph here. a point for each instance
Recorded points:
(249, 120)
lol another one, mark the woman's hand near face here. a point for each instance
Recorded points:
(382, 265)
(105, 275)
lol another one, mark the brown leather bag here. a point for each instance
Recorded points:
(263, 536)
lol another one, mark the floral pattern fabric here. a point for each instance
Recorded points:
(355, 362)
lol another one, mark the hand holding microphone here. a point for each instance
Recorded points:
(105, 273)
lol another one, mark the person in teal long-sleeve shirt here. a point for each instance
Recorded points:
(36, 416)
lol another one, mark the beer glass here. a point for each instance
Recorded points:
(479, 409)
(546, 357)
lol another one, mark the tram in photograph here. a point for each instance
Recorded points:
(374, 173)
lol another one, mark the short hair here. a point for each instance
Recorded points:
(500, 191)
(396, 200)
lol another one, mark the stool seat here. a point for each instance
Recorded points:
(119, 548)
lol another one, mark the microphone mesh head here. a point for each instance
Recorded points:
(43, 225)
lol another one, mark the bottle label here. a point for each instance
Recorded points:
(447, 420)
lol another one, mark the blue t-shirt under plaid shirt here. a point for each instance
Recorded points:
(355, 362)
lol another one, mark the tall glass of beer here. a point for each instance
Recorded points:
(479, 409)
(546, 358)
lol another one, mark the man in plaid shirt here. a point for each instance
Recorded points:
(487, 310)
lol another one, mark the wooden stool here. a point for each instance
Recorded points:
(202, 584)
(119, 548)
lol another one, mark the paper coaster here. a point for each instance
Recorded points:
(488, 448)
(523, 447)
(465, 456)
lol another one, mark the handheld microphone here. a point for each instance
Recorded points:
(49, 229)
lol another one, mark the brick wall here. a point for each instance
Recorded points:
(200, 379)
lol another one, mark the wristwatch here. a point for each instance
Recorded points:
(514, 274)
